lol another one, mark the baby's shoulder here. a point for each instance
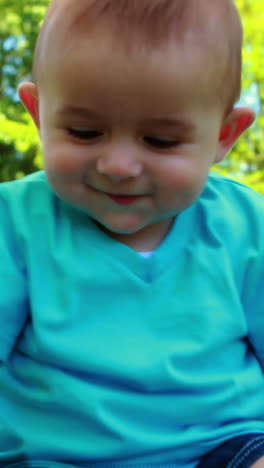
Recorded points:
(232, 193)
(25, 185)
(26, 192)
(235, 210)
(24, 200)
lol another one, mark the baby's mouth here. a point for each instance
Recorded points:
(124, 199)
(120, 199)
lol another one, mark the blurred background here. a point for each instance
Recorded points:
(20, 149)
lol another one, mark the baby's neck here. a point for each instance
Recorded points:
(146, 240)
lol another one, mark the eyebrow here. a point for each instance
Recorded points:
(80, 111)
(182, 124)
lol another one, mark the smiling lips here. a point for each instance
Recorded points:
(124, 199)
(118, 198)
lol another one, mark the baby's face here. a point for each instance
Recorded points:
(128, 138)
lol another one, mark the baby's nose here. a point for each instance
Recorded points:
(119, 163)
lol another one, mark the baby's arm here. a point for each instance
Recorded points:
(254, 303)
(256, 323)
(13, 283)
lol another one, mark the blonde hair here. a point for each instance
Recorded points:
(211, 25)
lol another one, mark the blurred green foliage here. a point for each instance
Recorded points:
(20, 149)
(20, 152)
(246, 162)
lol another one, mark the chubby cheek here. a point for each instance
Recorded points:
(183, 185)
(63, 164)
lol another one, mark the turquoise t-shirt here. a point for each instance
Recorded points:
(110, 359)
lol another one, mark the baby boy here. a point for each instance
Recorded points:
(131, 324)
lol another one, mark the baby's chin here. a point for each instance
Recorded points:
(143, 238)
(115, 231)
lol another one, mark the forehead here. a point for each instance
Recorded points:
(99, 63)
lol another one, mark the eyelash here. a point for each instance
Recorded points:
(93, 134)
(84, 134)
(160, 143)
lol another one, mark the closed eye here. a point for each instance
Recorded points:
(162, 143)
(88, 134)
(84, 134)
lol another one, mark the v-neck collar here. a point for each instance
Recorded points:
(147, 268)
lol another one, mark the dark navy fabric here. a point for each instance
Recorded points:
(239, 452)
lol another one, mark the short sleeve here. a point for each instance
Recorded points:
(254, 294)
(253, 279)
(13, 292)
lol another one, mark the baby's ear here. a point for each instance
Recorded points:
(236, 123)
(28, 95)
